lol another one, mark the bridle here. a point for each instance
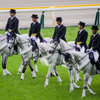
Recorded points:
(54, 48)
(73, 61)
(15, 39)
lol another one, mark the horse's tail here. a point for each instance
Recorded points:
(44, 61)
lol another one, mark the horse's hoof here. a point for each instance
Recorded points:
(36, 71)
(79, 87)
(52, 75)
(34, 77)
(21, 79)
(79, 79)
(94, 93)
(9, 74)
(4, 75)
(45, 85)
(18, 72)
(82, 96)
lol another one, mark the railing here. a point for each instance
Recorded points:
(54, 8)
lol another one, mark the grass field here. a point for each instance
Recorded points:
(12, 88)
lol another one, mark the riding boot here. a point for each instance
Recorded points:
(97, 67)
(15, 49)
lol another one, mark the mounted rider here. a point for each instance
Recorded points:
(35, 28)
(82, 35)
(94, 47)
(60, 29)
(12, 27)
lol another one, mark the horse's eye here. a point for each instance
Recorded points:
(12, 39)
(35, 51)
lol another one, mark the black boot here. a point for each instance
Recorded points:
(15, 49)
(97, 67)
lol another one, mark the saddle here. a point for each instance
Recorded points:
(91, 57)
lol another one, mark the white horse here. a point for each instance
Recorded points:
(5, 52)
(64, 47)
(85, 66)
(54, 59)
(25, 51)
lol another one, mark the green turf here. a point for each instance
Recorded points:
(12, 88)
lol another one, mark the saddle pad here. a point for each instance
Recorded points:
(91, 57)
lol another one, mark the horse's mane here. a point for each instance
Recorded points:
(2, 36)
(65, 45)
(20, 36)
(44, 45)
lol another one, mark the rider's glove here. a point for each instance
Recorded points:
(29, 38)
(7, 33)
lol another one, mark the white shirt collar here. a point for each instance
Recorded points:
(95, 34)
(34, 23)
(81, 30)
(12, 17)
(59, 25)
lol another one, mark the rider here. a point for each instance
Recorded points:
(81, 38)
(12, 27)
(35, 28)
(60, 29)
(94, 46)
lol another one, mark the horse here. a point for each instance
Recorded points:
(86, 67)
(25, 51)
(5, 52)
(54, 59)
(64, 47)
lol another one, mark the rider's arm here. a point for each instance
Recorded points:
(84, 39)
(97, 46)
(63, 32)
(54, 33)
(16, 25)
(30, 31)
(7, 25)
(38, 30)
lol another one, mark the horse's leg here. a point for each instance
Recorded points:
(56, 72)
(23, 71)
(33, 73)
(35, 65)
(77, 75)
(4, 62)
(71, 85)
(85, 87)
(21, 66)
(90, 80)
(48, 74)
(72, 75)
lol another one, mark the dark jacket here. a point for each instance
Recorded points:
(60, 32)
(12, 25)
(95, 43)
(35, 29)
(82, 38)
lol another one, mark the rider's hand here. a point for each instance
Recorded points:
(7, 33)
(87, 50)
(29, 38)
(78, 46)
(90, 50)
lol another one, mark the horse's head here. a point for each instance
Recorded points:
(68, 60)
(12, 40)
(67, 57)
(55, 45)
(36, 51)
